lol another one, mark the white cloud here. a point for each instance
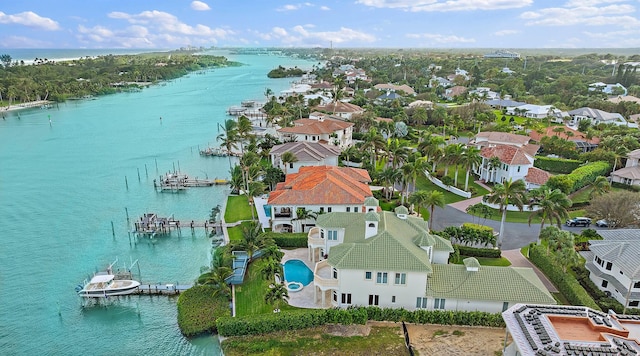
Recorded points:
(30, 19)
(506, 32)
(303, 35)
(579, 3)
(614, 15)
(446, 5)
(168, 23)
(440, 39)
(325, 8)
(289, 7)
(24, 42)
(199, 6)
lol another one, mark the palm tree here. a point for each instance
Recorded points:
(494, 164)
(287, 158)
(373, 142)
(469, 161)
(397, 152)
(276, 294)
(508, 193)
(243, 130)
(432, 199)
(389, 176)
(454, 154)
(270, 268)
(253, 190)
(217, 279)
(252, 239)
(303, 214)
(553, 205)
(599, 187)
(229, 137)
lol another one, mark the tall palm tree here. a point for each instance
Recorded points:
(252, 239)
(373, 142)
(303, 214)
(389, 176)
(599, 187)
(553, 205)
(229, 137)
(397, 152)
(253, 190)
(217, 278)
(276, 294)
(429, 200)
(244, 131)
(453, 154)
(509, 193)
(469, 160)
(286, 158)
(494, 164)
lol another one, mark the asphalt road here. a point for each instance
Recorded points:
(516, 235)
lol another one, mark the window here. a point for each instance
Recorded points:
(421, 302)
(290, 165)
(505, 306)
(393, 299)
(374, 299)
(372, 225)
(609, 265)
(598, 260)
(332, 235)
(348, 209)
(438, 303)
(518, 168)
(335, 296)
(367, 276)
(636, 285)
(321, 209)
(621, 272)
(605, 284)
(322, 234)
(346, 298)
(381, 277)
(401, 278)
(329, 209)
(633, 303)
(355, 210)
(335, 273)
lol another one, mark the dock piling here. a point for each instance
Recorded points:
(113, 231)
(155, 159)
(138, 169)
(145, 171)
(126, 183)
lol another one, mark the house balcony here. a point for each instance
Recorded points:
(282, 213)
(313, 238)
(322, 276)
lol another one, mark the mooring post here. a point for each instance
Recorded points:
(146, 173)
(155, 159)
(126, 183)
(129, 233)
(113, 231)
(127, 212)
(174, 167)
(138, 169)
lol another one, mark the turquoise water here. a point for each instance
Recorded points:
(297, 271)
(267, 210)
(61, 186)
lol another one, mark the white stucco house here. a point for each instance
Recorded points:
(389, 259)
(515, 163)
(535, 111)
(341, 109)
(630, 174)
(324, 130)
(317, 189)
(596, 116)
(614, 265)
(307, 153)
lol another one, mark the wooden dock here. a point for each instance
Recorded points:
(178, 182)
(152, 225)
(163, 289)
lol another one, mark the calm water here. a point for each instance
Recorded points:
(61, 186)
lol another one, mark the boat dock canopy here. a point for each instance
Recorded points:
(102, 278)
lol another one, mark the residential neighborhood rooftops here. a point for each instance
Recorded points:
(315, 127)
(507, 154)
(622, 247)
(405, 88)
(340, 107)
(322, 185)
(537, 176)
(574, 136)
(501, 137)
(306, 151)
(487, 283)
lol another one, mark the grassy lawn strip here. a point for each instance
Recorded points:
(235, 233)
(316, 341)
(523, 216)
(237, 209)
(488, 261)
(250, 295)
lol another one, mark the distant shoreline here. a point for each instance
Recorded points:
(27, 105)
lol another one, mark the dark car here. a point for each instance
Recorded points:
(580, 221)
(602, 223)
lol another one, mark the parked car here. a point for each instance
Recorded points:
(579, 221)
(602, 223)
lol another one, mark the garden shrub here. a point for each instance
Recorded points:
(579, 177)
(556, 165)
(198, 309)
(282, 239)
(479, 252)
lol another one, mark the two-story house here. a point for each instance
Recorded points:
(389, 259)
(323, 130)
(614, 266)
(306, 153)
(317, 189)
(341, 109)
(630, 174)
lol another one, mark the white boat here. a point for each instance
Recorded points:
(104, 285)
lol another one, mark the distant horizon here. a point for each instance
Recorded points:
(326, 23)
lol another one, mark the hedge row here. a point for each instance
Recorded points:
(566, 283)
(198, 309)
(298, 239)
(301, 319)
(479, 252)
(579, 177)
(605, 302)
(556, 165)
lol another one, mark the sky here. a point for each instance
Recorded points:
(171, 24)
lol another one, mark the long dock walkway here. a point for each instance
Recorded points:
(163, 289)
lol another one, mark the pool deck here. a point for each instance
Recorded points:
(303, 298)
(260, 202)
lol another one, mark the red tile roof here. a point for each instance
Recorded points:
(507, 154)
(316, 127)
(537, 176)
(340, 107)
(322, 185)
(577, 135)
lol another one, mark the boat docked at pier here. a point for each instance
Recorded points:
(108, 283)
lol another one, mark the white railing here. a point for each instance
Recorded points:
(449, 188)
(313, 237)
(323, 283)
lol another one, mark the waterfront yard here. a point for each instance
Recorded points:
(238, 208)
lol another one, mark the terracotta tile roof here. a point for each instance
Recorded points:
(322, 85)
(405, 88)
(340, 107)
(316, 127)
(537, 176)
(577, 135)
(507, 154)
(323, 185)
(502, 137)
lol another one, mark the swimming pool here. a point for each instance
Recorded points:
(297, 271)
(267, 210)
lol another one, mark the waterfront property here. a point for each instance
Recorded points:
(322, 130)
(317, 189)
(306, 153)
(613, 265)
(569, 330)
(389, 259)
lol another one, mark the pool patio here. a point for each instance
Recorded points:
(303, 298)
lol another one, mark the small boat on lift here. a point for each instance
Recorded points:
(105, 285)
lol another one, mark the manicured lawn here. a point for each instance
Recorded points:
(237, 209)
(423, 183)
(317, 341)
(235, 233)
(487, 261)
(250, 295)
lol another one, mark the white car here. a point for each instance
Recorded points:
(602, 223)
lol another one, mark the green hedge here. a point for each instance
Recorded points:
(566, 283)
(301, 319)
(579, 177)
(556, 165)
(479, 252)
(604, 302)
(298, 239)
(198, 309)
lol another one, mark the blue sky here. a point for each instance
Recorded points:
(169, 24)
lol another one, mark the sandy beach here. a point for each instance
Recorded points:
(27, 105)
